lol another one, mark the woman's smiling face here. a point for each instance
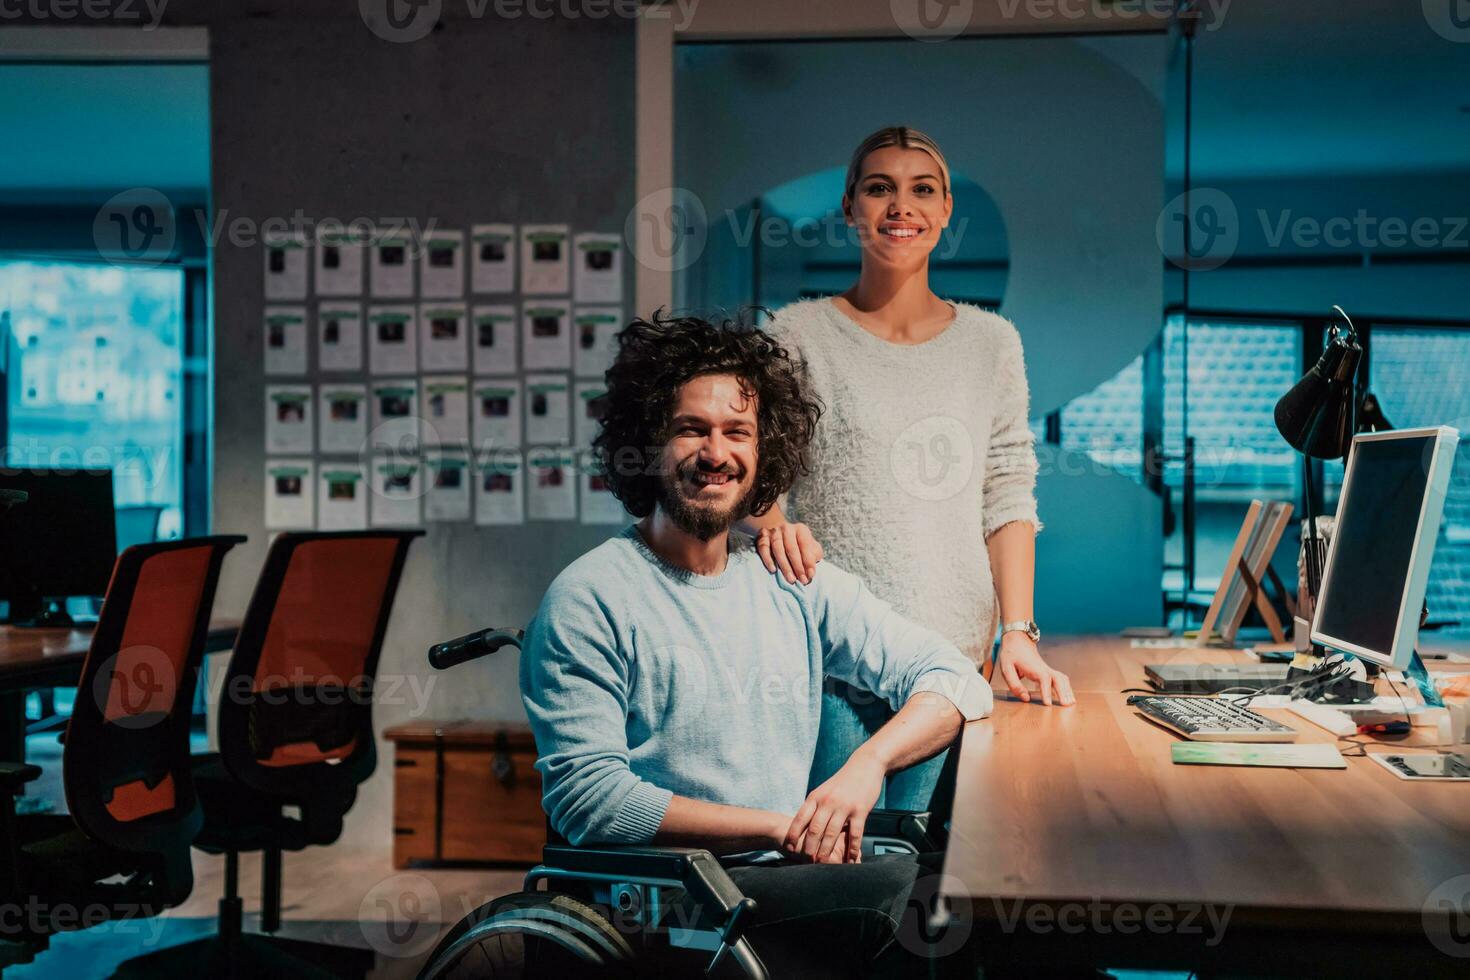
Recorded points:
(899, 206)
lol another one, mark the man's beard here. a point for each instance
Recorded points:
(701, 522)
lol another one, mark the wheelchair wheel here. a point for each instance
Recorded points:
(531, 934)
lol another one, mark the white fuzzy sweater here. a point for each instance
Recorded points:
(922, 452)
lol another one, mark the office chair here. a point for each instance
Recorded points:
(681, 909)
(295, 739)
(123, 850)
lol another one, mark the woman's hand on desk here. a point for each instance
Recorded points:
(828, 829)
(1020, 661)
(791, 548)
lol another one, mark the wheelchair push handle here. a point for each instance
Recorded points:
(481, 643)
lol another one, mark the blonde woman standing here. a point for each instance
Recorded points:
(923, 469)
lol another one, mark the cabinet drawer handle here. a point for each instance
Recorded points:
(503, 770)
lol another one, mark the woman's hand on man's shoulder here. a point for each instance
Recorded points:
(791, 549)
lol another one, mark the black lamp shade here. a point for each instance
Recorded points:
(1317, 415)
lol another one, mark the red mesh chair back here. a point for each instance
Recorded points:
(296, 713)
(126, 764)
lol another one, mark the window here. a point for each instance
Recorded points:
(1237, 372)
(1422, 378)
(1107, 422)
(96, 380)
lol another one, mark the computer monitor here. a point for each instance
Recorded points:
(61, 542)
(1388, 517)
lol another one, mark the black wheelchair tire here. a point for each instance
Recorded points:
(531, 934)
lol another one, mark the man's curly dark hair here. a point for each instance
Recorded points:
(658, 355)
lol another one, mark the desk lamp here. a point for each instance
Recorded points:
(1317, 418)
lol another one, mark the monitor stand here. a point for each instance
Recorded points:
(1417, 673)
(33, 612)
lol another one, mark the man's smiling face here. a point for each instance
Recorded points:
(709, 460)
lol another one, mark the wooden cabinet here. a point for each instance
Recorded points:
(465, 792)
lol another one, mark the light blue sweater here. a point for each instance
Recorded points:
(643, 680)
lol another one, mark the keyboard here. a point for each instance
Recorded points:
(1206, 719)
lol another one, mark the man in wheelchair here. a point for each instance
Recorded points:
(674, 685)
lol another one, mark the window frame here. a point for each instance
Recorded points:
(1179, 514)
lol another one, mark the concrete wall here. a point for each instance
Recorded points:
(479, 121)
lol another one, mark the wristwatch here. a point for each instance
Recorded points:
(1026, 626)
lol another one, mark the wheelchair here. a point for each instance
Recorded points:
(625, 911)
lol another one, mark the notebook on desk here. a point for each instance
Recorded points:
(1305, 755)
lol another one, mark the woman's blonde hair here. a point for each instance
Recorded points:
(900, 136)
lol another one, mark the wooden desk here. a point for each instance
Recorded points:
(53, 657)
(1078, 815)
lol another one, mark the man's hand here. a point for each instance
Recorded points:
(792, 549)
(1020, 661)
(828, 829)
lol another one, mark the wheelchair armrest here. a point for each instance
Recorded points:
(918, 829)
(701, 875)
(480, 643)
(14, 776)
